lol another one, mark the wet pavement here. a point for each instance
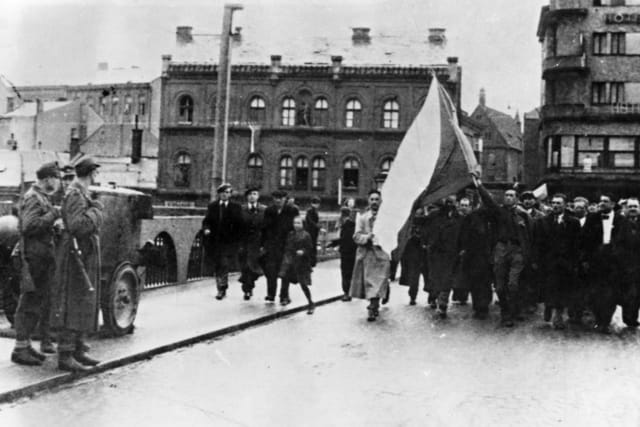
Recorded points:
(336, 369)
(167, 317)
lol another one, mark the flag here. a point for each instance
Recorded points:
(541, 192)
(433, 161)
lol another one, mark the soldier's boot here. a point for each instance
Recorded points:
(35, 353)
(84, 358)
(66, 362)
(23, 356)
(46, 346)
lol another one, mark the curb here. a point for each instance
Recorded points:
(65, 378)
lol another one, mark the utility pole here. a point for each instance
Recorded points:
(218, 167)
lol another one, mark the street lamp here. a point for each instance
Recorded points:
(220, 139)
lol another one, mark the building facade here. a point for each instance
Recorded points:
(590, 113)
(312, 129)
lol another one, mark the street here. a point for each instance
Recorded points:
(336, 369)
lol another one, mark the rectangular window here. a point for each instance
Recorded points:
(598, 93)
(590, 151)
(622, 152)
(616, 93)
(632, 93)
(632, 44)
(567, 151)
(600, 44)
(617, 44)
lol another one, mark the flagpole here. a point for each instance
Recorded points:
(339, 191)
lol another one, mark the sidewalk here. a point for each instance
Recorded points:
(167, 319)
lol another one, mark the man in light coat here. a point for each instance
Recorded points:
(371, 270)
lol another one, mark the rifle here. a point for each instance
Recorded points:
(76, 255)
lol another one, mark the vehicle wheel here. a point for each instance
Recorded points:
(121, 298)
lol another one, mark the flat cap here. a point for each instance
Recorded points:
(223, 187)
(48, 170)
(279, 194)
(250, 190)
(527, 195)
(85, 166)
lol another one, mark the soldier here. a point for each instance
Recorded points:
(38, 221)
(512, 248)
(278, 222)
(555, 256)
(75, 298)
(312, 226)
(250, 254)
(222, 228)
(371, 270)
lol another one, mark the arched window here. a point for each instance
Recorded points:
(385, 166)
(115, 105)
(185, 110)
(89, 101)
(353, 114)
(302, 173)
(321, 112)
(318, 173)
(254, 171)
(142, 105)
(350, 173)
(128, 105)
(390, 115)
(288, 112)
(182, 170)
(257, 109)
(286, 172)
(103, 106)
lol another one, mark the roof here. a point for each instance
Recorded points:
(385, 48)
(28, 109)
(123, 173)
(533, 114)
(14, 163)
(506, 125)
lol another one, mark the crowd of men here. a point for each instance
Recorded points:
(59, 260)
(576, 257)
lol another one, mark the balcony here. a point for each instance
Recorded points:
(560, 9)
(555, 65)
(591, 113)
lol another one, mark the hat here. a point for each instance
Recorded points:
(315, 199)
(251, 190)
(223, 187)
(527, 195)
(279, 194)
(48, 170)
(85, 166)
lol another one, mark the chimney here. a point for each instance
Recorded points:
(184, 35)
(453, 68)
(437, 37)
(74, 145)
(166, 60)
(336, 65)
(236, 36)
(276, 61)
(361, 36)
(517, 119)
(483, 97)
(136, 143)
(103, 66)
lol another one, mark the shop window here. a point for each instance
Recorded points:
(390, 115)
(351, 173)
(318, 173)
(286, 172)
(185, 110)
(254, 171)
(257, 110)
(182, 170)
(302, 173)
(590, 151)
(353, 114)
(321, 112)
(622, 152)
(567, 151)
(288, 112)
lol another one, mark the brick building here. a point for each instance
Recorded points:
(299, 123)
(590, 113)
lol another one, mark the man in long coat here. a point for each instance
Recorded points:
(371, 270)
(278, 222)
(414, 257)
(627, 250)
(250, 254)
(312, 226)
(75, 301)
(38, 219)
(222, 227)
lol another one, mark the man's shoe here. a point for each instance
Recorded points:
(47, 347)
(221, 294)
(66, 362)
(372, 315)
(507, 323)
(269, 298)
(35, 353)
(346, 298)
(311, 308)
(285, 301)
(247, 296)
(22, 356)
(412, 302)
(85, 359)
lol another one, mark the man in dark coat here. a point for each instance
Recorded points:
(38, 221)
(222, 227)
(532, 287)
(578, 296)
(278, 222)
(599, 262)
(474, 250)
(626, 246)
(250, 254)
(347, 248)
(555, 256)
(74, 307)
(413, 257)
(312, 226)
(512, 249)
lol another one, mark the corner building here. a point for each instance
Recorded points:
(590, 114)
